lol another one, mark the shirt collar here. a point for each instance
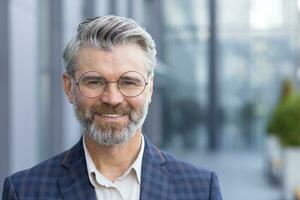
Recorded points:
(95, 175)
(137, 164)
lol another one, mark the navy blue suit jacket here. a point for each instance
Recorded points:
(65, 177)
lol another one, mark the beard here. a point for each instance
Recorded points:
(112, 133)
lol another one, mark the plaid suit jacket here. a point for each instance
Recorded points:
(65, 177)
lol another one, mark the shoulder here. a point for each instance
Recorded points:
(51, 165)
(177, 169)
(46, 169)
(32, 181)
(51, 168)
(185, 169)
(187, 178)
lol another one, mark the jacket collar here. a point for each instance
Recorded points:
(154, 180)
(76, 181)
(154, 183)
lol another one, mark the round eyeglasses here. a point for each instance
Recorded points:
(130, 84)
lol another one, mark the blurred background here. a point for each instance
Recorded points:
(220, 75)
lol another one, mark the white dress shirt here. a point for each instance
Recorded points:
(126, 187)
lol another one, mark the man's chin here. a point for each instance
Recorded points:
(111, 127)
(109, 136)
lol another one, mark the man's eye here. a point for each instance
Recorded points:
(129, 83)
(94, 83)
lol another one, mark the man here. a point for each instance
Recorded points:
(109, 81)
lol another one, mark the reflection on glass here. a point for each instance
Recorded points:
(266, 14)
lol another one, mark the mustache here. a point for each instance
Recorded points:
(105, 109)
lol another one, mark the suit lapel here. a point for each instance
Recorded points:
(75, 183)
(154, 184)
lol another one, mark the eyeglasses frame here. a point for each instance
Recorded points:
(107, 82)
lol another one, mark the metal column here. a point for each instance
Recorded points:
(113, 7)
(154, 24)
(88, 9)
(4, 88)
(55, 126)
(213, 126)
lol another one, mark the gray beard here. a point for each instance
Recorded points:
(111, 134)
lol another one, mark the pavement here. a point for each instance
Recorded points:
(241, 172)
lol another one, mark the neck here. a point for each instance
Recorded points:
(113, 161)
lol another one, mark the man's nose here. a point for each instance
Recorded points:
(112, 94)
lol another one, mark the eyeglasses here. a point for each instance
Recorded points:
(130, 84)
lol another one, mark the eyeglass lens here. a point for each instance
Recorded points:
(130, 84)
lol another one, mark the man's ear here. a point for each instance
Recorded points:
(68, 87)
(151, 85)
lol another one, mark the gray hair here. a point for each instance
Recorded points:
(106, 32)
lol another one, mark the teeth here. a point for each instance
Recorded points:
(112, 116)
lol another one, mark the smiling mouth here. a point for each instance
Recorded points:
(111, 115)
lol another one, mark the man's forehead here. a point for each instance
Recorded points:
(113, 62)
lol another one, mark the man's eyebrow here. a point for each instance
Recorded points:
(132, 78)
(129, 77)
(91, 77)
